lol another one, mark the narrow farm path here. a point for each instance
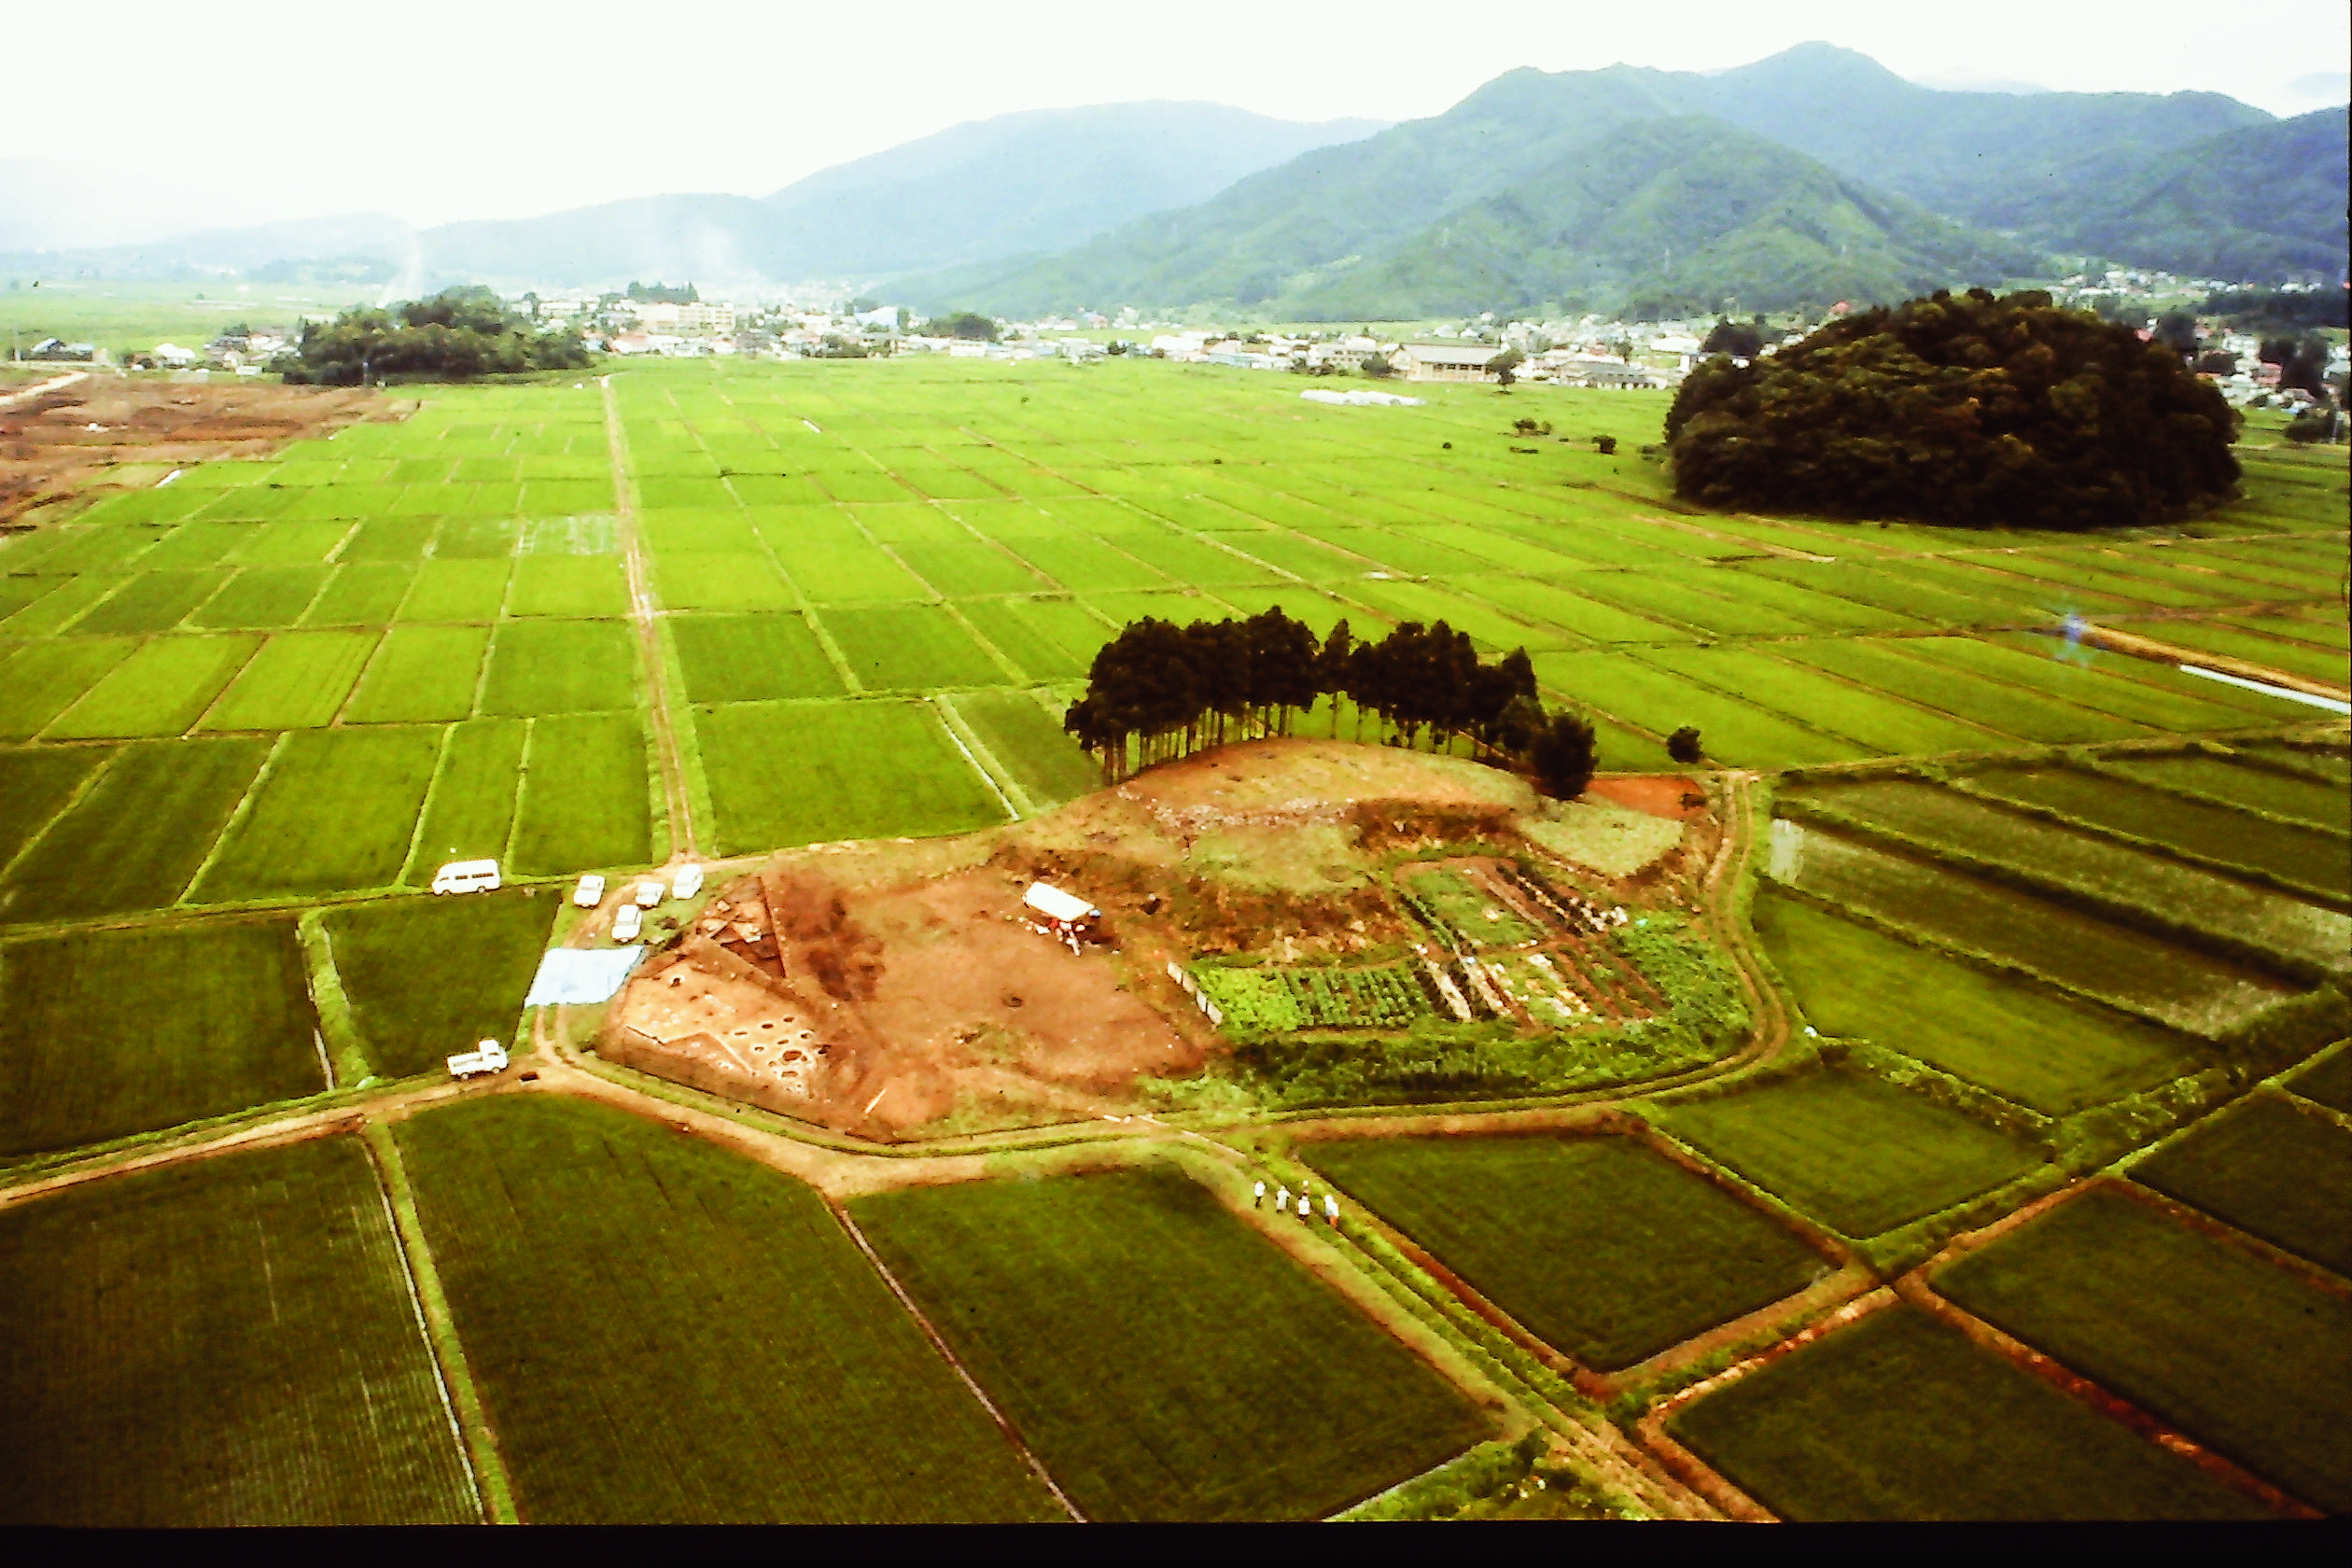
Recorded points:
(683, 844)
(22, 393)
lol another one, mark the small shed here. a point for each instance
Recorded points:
(1060, 914)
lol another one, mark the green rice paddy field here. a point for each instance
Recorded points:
(836, 537)
(244, 716)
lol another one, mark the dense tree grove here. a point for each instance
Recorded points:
(456, 335)
(1958, 409)
(1159, 691)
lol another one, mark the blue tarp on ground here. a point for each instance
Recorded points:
(581, 975)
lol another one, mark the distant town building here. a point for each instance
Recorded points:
(1466, 361)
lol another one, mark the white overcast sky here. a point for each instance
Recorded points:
(441, 109)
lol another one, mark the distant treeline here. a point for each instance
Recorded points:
(458, 334)
(1159, 691)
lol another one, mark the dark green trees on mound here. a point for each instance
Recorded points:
(1159, 691)
(456, 335)
(1958, 409)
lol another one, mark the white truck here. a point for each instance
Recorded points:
(466, 876)
(590, 891)
(649, 893)
(687, 883)
(486, 1058)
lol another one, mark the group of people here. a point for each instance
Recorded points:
(1305, 1204)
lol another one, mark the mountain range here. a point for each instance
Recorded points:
(1814, 175)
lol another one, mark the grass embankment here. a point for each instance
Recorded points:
(1162, 1360)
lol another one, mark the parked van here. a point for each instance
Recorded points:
(650, 892)
(626, 924)
(466, 876)
(687, 883)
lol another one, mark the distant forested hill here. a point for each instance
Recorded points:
(1416, 218)
(2258, 202)
(1659, 217)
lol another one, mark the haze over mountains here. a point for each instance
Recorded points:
(1813, 176)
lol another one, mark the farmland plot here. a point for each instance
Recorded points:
(40, 680)
(2041, 1049)
(909, 648)
(296, 681)
(540, 667)
(785, 773)
(470, 811)
(1028, 742)
(225, 1342)
(2185, 989)
(421, 673)
(335, 811)
(2308, 857)
(1901, 1417)
(585, 801)
(751, 658)
(1947, 821)
(2255, 788)
(109, 1033)
(1598, 1245)
(1160, 1408)
(160, 689)
(138, 834)
(752, 1366)
(430, 976)
(2271, 1169)
(2236, 1353)
(36, 785)
(1852, 1151)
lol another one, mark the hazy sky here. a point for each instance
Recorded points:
(442, 109)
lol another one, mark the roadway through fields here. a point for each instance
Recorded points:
(673, 792)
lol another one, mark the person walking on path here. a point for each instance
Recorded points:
(1330, 1211)
(1259, 1199)
(1306, 1208)
(1282, 1198)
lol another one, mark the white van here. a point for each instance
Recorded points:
(687, 883)
(466, 876)
(626, 924)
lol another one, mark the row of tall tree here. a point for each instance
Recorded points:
(1159, 691)
(457, 334)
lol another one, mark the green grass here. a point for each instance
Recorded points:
(1878, 721)
(1163, 1362)
(722, 580)
(1028, 741)
(1914, 667)
(1947, 821)
(1600, 1246)
(576, 585)
(585, 801)
(261, 598)
(335, 811)
(2328, 1082)
(1899, 1417)
(364, 593)
(2305, 856)
(470, 809)
(152, 602)
(742, 1361)
(138, 835)
(2240, 1355)
(298, 680)
(225, 1342)
(1852, 1151)
(160, 689)
(560, 666)
(2186, 988)
(806, 773)
(428, 977)
(36, 785)
(2271, 1169)
(909, 648)
(1731, 731)
(40, 680)
(108, 1033)
(457, 590)
(2258, 789)
(2044, 1050)
(751, 658)
(421, 674)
